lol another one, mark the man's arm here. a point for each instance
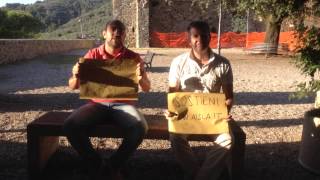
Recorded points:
(174, 79)
(228, 91)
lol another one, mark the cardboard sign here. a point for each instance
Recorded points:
(197, 113)
(108, 79)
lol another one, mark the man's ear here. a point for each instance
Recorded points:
(104, 33)
(189, 40)
(124, 34)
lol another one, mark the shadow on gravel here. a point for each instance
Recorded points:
(41, 72)
(268, 98)
(61, 101)
(153, 100)
(36, 102)
(271, 123)
(159, 99)
(158, 70)
(274, 161)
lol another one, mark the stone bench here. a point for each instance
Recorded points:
(43, 140)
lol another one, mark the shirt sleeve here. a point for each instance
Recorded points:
(174, 75)
(226, 73)
(89, 55)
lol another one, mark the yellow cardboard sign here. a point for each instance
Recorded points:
(197, 113)
(108, 79)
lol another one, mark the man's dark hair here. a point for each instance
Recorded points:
(116, 24)
(201, 26)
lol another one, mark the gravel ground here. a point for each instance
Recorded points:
(272, 122)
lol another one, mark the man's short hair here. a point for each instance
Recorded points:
(201, 26)
(116, 24)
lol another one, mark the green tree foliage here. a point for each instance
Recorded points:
(273, 12)
(307, 59)
(18, 24)
(239, 23)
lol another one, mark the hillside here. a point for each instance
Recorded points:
(92, 25)
(53, 13)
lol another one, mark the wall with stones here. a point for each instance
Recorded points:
(142, 23)
(142, 17)
(125, 10)
(177, 16)
(13, 50)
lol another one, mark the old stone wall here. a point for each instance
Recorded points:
(142, 17)
(176, 16)
(13, 50)
(126, 11)
(143, 23)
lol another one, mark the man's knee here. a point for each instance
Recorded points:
(139, 129)
(70, 126)
(225, 140)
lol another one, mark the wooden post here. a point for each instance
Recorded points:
(219, 27)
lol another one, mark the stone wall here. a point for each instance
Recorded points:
(142, 17)
(13, 50)
(135, 15)
(143, 23)
(126, 11)
(177, 16)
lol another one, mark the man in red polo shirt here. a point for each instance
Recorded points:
(99, 111)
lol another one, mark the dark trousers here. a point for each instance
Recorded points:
(124, 116)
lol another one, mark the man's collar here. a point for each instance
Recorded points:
(211, 55)
(103, 52)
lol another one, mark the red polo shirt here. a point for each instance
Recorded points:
(100, 54)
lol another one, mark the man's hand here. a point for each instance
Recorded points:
(74, 80)
(142, 77)
(229, 117)
(169, 115)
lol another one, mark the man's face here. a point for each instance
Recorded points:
(114, 36)
(199, 41)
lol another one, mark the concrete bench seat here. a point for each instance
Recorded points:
(43, 140)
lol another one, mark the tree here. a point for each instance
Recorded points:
(307, 59)
(273, 12)
(18, 24)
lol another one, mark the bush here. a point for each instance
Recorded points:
(18, 24)
(307, 59)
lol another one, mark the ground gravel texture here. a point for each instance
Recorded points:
(262, 86)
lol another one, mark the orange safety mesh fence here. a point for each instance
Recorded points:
(228, 39)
